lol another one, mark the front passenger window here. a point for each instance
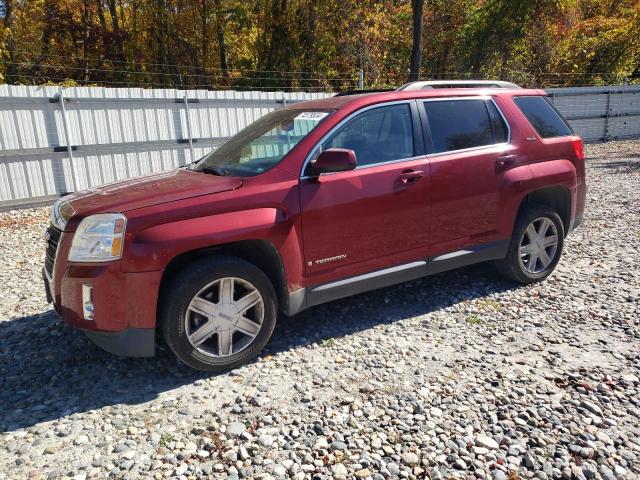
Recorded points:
(378, 135)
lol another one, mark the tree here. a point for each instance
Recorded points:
(416, 48)
(317, 44)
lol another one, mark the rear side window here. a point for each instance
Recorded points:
(544, 118)
(378, 135)
(497, 122)
(459, 124)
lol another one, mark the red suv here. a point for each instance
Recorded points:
(314, 202)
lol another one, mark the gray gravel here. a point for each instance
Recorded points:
(461, 375)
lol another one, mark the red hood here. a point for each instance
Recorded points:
(150, 190)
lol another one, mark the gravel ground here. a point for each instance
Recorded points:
(460, 375)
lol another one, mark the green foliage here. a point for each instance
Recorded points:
(315, 44)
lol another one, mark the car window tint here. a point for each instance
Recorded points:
(378, 135)
(500, 130)
(543, 116)
(458, 124)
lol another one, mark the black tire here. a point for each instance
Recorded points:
(184, 286)
(511, 266)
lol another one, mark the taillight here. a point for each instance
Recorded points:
(578, 148)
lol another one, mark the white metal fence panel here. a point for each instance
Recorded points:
(113, 133)
(93, 136)
(600, 114)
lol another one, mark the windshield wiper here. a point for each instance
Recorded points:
(214, 171)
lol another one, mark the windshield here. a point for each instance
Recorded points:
(261, 145)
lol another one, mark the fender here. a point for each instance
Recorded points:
(520, 181)
(154, 247)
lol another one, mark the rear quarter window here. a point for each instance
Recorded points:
(543, 116)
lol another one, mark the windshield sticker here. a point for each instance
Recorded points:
(316, 116)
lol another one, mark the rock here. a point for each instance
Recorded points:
(181, 469)
(230, 456)
(338, 445)
(459, 464)
(279, 471)
(410, 458)
(266, 440)
(339, 471)
(363, 473)
(528, 461)
(260, 401)
(499, 475)
(235, 429)
(592, 407)
(486, 442)
(393, 468)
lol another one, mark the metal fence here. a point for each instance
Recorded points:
(600, 114)
(54, 141)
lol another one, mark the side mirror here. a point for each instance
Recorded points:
(334, 160)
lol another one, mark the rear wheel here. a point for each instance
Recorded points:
(218, 313)
(536, 245)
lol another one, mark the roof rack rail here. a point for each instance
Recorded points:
(358, 92)
(424, 85)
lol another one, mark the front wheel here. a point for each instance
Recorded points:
(536, 246)
(218, 313)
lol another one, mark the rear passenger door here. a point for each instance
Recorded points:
(470, 150)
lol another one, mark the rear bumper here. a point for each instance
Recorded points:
(132, 342)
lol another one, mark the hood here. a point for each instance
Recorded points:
(149, 190)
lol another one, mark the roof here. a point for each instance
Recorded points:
(362, 100)
(422, 85)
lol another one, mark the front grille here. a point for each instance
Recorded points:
(53, 239)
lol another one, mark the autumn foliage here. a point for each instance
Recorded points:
(315, 44)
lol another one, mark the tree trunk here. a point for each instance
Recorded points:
(12, 71)
(118, 33)
(416, 49)
(204, 24)
(103, 20)
(222, 44)
(307, 18)
(86, 38)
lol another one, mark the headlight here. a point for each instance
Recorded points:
(61, 212)
(99, 238)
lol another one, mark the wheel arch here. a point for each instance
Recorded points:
(557, 197)
(261, 253)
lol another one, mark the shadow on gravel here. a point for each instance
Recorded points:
(623, 166)
(49, 370)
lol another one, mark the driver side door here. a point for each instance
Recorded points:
(377, 215)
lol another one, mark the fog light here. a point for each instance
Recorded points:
(87, 302)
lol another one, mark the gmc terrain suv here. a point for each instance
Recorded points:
(317, 201)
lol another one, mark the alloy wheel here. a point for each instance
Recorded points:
(224, 317)
(539, 245)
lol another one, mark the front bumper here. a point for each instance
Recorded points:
(132, 342)
(124, 304)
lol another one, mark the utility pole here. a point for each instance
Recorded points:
(417, 7)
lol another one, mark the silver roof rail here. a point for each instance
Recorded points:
(424, 85)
